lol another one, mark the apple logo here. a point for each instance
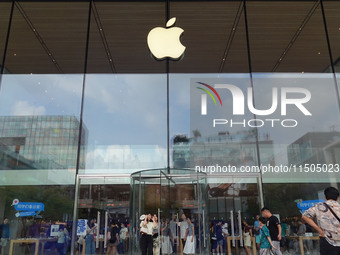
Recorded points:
(165, 42)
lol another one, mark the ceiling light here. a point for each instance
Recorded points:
(319, 53)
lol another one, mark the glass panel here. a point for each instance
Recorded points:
(103, 203)
(126, 120)
(193, 141)
(39, 121)
(233, 204)
(33, 213)
(125, 113)
(178, 194)
(294, 44)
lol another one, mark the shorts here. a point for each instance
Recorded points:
(258, 239)
(3, 241)
(220, 242)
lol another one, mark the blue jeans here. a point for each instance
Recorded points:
(121, 247)
(90, 247)
(60, 248)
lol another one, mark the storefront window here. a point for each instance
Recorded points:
(253, 104)
(40, 119)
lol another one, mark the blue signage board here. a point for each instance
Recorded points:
(81, 227)
(305, 205)
(25, 214)
(25, 209)
(29, 206)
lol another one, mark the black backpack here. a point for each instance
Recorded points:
(113, 235)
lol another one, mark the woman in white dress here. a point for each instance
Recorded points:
(166, 236)
(190, 243)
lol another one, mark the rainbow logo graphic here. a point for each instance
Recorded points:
(209, 93)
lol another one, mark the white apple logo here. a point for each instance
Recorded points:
(165, 42)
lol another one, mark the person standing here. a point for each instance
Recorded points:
(90, 247)
(266, 243)
(247, 237)
(173, 228)
(155, 236)
(274, 227)
(219, 238)
(61, 240)
(123, 236)
(327, 215)
(113, 239)
(167, 238)
(284, 234)
(189, 239)
(183, 226)
(146, 240)
(257, 232)
(4, 235)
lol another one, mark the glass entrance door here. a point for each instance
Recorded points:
(234, 202)
(101, 202)
(178, 198)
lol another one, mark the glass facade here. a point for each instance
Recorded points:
(84, 106)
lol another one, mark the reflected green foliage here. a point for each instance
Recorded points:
(58, 200)
(280, 197)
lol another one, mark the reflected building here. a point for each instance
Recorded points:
(41, 142)
(315, 148)
(223, 148)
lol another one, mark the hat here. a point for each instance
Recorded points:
(142, 217)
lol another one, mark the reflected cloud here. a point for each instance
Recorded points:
(126, 157)
(22, 108)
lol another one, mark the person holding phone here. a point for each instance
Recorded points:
(146, 241)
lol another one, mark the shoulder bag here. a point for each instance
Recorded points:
(336, 216)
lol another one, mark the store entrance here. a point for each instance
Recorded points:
(205, 199)
(177, 198)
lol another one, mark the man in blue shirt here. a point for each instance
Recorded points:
(219, 237)
(4, 228)
(257, 231)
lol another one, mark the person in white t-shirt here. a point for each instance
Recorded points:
(183, 226)
(123, 236)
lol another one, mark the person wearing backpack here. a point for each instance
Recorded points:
(113, 239)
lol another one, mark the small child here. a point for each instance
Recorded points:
(265, 243)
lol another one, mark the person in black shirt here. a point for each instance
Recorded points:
(274, 227)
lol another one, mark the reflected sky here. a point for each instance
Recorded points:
(125, 114)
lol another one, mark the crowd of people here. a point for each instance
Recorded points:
(156, 237)
(271, 235)
(116, 238)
